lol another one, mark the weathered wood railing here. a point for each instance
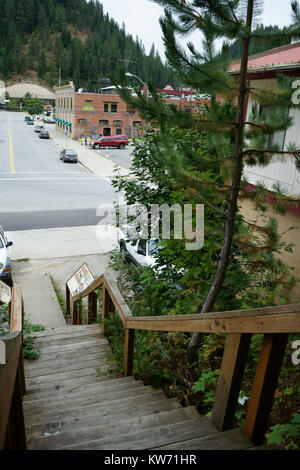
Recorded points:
(12, 380)
(275, 323)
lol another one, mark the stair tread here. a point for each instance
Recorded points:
(127, 402)
(103, 416)
(97, 360)
(147, 438)
(84, 391)
(118, 428)
(83, 399)
(87, 379)
(68, 388)
(65, 329)
(72, 346)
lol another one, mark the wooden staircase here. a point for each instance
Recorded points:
(69, 404)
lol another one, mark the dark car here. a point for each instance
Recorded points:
(28, 118)
(44, 135)
(69, 155)
(117, 141)
(29, 122)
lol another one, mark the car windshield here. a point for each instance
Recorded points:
(70, 152)
(153, 248)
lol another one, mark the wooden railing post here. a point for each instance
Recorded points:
(107, 305)
(229, 384)
(16, 439)
(264, 385)
(92, 307)
(128, 352)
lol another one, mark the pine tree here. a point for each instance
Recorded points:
(230, 141)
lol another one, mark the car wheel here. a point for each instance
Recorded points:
(121, 146)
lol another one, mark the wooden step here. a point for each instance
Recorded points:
(72, 346)
(93, 391)
(146, 438)
(68, 329)
(93, 417)
(58, 384)
(140, 397)
(109, 431)
(67, 356)
(65, 375)
(76, 387)
(83, 399)
(43, 357)
(62, 339)
(96, 360)
(70, 386)
(234, 439)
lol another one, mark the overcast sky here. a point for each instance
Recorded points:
(141, 18)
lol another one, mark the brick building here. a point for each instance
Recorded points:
(83, 113)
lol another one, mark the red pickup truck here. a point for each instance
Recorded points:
(119, 141)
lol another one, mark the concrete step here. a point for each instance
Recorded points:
(103, 416)
(83, 399)
(110, 431)
(140, 397)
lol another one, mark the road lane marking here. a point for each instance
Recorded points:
(11, 153)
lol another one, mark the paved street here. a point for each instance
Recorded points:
(38, 190)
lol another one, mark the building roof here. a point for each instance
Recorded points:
(280, 57)
(19, 90)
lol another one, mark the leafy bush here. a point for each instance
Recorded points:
(29, 351)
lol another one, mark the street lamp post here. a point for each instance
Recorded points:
(143, 83)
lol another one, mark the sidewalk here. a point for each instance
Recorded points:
(97, 164)
(61, 242)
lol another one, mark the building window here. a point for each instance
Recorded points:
(118, 131)
(118, 123)
(114, 107)
(106, 107)
(71, 103)
(137, 123)
(103, 123)
(106, 131)
(82, 121)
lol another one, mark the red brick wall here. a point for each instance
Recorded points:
(93, 117)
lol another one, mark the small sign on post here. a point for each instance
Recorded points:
(77, 283)
(5, 293)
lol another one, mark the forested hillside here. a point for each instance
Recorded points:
(263, 42)
(41, 38)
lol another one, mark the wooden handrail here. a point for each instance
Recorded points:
(12, 380)
(275, 323)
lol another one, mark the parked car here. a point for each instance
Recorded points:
(139, 251)
(38, 128)
(5, 264)
(44, 135)
(28, 118)
(95, 137)
(49, 120)
(117, 141)
(30, 122)
(69, 155)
